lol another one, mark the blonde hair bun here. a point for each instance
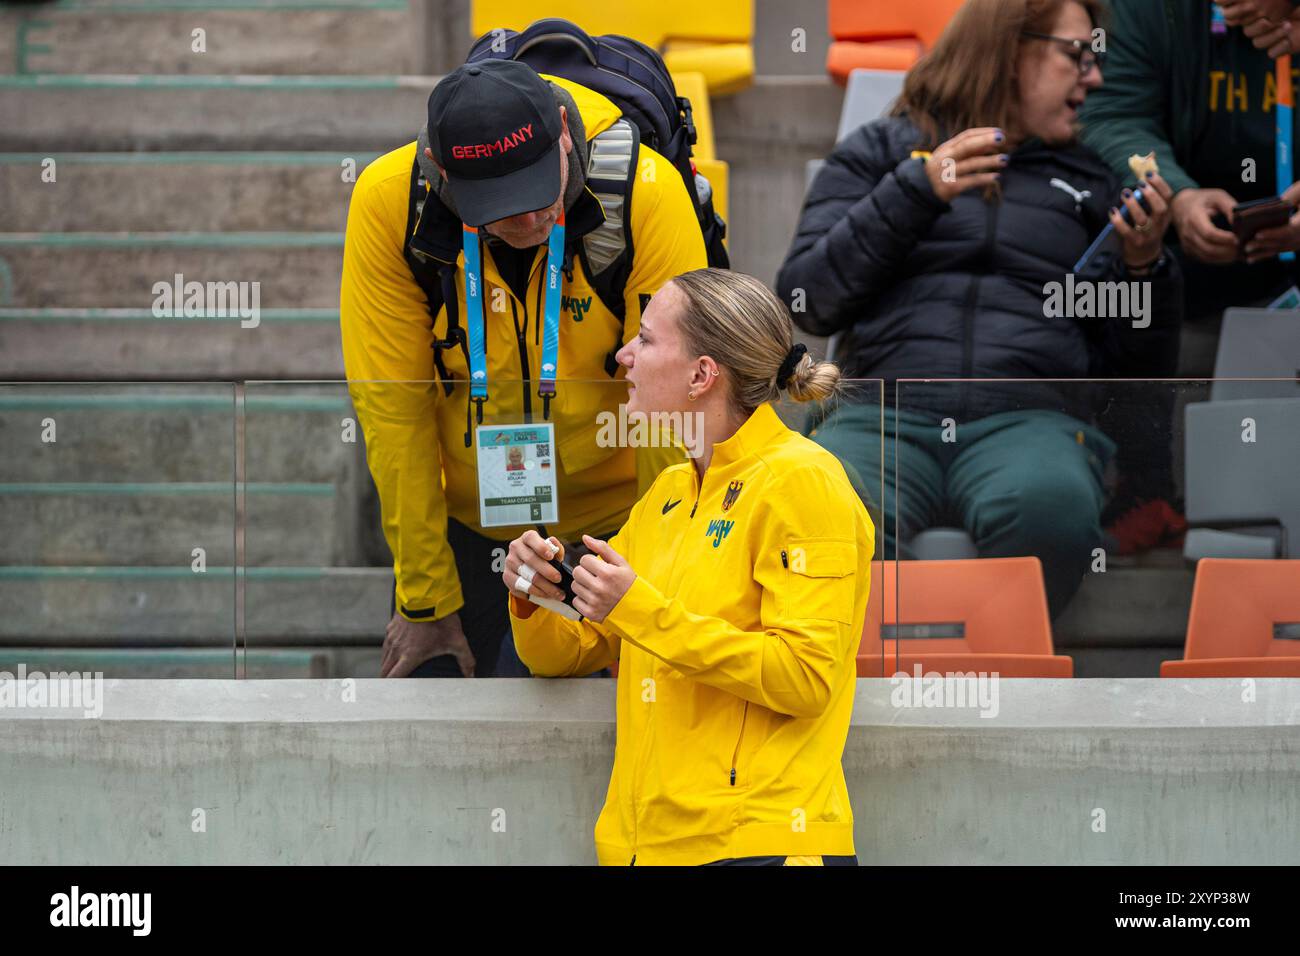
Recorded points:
(740, 323)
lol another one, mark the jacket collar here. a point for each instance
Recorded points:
(760, 430)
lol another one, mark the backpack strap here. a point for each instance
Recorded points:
(606, 252)
(433, 265)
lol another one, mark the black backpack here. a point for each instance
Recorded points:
(632, 76)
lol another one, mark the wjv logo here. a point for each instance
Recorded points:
(575, 306)
(718, 529)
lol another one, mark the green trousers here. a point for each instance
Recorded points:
(1019, 483)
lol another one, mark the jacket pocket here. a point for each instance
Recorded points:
(820, 576)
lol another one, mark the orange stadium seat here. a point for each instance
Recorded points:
(988, 614)
(1244, 622)
(883, 34)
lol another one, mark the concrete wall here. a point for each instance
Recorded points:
(412, 772)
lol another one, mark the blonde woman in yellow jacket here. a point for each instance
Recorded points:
(733, 599)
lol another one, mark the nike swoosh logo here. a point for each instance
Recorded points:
(670, 505)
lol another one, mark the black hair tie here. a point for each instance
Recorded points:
(788, 366)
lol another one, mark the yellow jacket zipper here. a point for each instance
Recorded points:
(735, 756)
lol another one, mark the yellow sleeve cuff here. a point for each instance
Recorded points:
(635, 613)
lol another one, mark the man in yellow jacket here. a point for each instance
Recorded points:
(506, 153)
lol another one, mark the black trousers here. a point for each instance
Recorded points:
(485, 618)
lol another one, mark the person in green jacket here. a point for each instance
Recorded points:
(1203, 99)
(1200, 95)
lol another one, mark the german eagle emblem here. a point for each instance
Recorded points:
(733, 492)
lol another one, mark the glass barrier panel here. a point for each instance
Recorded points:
(117, 529)
(336, 477)
(1060, 528)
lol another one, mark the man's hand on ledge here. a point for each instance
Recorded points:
(408, 644)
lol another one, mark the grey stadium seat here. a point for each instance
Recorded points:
(1255, 344)
(942, 544)
(869, 94)
(1243, 498)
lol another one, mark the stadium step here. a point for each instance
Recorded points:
(768, 133)
(1127, 608)
(172, 663)
(106, 344)
(145, 474)
(49, 114)
(99, 316)
(286, 36)
(98, 269)
(154, 607)
(792, 118)
(215, 36)
(156, 192)
(95, 523)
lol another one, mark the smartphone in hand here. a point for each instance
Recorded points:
(1257, 215)
(1107, 242)
(564, 608)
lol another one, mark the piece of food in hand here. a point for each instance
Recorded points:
(1141, 165)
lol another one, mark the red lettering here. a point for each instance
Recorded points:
(483, 150)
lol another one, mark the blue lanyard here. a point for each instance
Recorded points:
(1285, 99)
(478, 375)
(551, 325)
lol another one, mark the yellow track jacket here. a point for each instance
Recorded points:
(414, 433)
(736, 647)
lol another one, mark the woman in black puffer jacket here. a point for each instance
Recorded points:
(930, 239)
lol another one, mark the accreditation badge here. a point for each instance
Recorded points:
(516, 474)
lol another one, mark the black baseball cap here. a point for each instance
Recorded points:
(494, 126)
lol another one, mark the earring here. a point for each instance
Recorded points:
(691, 396)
